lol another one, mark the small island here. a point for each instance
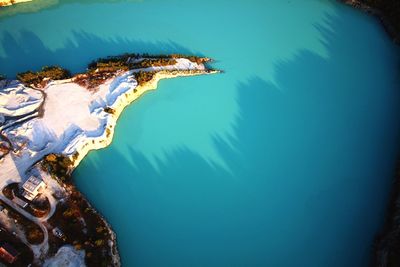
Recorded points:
(49, 121)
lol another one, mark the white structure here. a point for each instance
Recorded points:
(32, 187)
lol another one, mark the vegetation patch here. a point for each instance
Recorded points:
(102, 69)
(83, 228)
(8, 190)
(109, 110)
(152, 62)
(390, 8)
(59, 166)
(39, 207)
(33, 233)
(47, 72)
(25, 256)
(143, 77)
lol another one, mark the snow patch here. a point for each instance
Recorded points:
(73, 118)
(67, 256)
(18, 100)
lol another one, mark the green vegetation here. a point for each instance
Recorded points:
(39, 207)
(390, 9)
(34, 234)
(25, 253)
(102, 69)
(83, 228)
(153, 62)
(36, 78)
(58, 165)
(8, 190)
(143, 77)
(108, 132)
(2, 77)
(124, 62)
(109, 110)
(111, 65)
(116, 62)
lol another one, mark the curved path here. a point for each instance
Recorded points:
(42, 247)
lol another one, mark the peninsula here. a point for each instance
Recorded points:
(49, 120)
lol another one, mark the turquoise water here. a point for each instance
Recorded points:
(286, 159)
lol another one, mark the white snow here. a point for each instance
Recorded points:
(66, 256)
(73, 120)
(18, 100)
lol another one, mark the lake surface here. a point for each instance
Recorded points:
(286, 159)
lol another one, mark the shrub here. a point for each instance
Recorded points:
(153, 62)
(51, 72)
(109, 110)
(58, 165)
(143, 77)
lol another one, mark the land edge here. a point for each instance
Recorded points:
(376, 12)
(104, 140)
(12, 2)
(391, 228)
(385, 251)
(121, 103)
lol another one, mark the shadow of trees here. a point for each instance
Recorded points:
(310, 152)
(311, 164)
(39, 5)
(29, 52)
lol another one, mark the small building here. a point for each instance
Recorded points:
(8, 253)
(32, 187)
(58, 233)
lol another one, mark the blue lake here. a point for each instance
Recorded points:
(286, 159)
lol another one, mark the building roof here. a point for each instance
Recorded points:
(32, 184)
(9, 249)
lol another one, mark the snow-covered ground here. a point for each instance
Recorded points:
(66, 256)
(66, 118)
(18, 100)
(73, 118)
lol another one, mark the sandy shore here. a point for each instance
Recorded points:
(12, 2)
(123, 101)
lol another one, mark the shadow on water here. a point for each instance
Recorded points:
(310, 152)
(40, 5)
(28, 52)
(310, 172)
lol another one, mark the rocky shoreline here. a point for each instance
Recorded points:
(106, 138)
(104, 141)
(99, 97)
